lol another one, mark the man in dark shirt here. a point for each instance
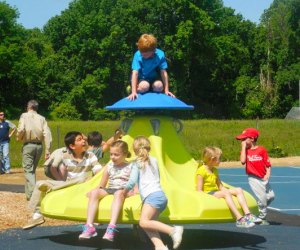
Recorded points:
(5, 134)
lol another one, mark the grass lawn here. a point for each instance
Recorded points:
(280, 137)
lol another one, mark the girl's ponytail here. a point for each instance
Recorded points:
(141, 147)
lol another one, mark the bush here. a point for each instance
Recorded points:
(104, 115)
(277, 152)
(65, 111)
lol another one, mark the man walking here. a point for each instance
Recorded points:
(33, 130)
(5, 134)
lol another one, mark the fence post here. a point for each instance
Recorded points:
(58, 136)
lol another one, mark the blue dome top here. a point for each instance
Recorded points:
(150, 100)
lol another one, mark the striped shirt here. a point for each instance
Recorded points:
(83, 168)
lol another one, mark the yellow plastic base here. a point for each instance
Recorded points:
(177, 169)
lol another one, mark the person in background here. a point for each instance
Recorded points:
(149, 68)
(7, 129)
(145, 172)
(32, 131)
(258, 168)
(207, 180)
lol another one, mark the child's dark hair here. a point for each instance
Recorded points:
(70, 138)
(94, 138)
(123, 146)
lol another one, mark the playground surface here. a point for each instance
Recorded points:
(282, 233)
(200, 236)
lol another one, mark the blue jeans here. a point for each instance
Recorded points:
(4, 156)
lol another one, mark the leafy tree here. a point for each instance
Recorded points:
(222, 64)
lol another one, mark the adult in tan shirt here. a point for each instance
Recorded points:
(33, 130)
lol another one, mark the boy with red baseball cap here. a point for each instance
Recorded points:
(258, 168)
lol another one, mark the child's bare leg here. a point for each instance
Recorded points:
(151, 226)
(94, 196)
(148, 220)
(158, 86)
(155, 238)
(230, 203)
(143, 87)
(238, 192)
(116, 206)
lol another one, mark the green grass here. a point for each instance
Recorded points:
(280, 137)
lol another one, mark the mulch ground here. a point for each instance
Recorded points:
(13, 209)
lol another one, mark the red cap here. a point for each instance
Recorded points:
(248, 133)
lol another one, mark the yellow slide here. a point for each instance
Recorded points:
(177, 169)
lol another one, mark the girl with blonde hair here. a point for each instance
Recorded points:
(145, 172)
(208, 181)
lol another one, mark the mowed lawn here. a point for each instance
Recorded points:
(280, 137)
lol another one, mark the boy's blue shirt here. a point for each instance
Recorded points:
(147, 67)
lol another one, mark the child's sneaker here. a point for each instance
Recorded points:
(34, 222)
(243, 222)
(110, 233)
(88, 232)
(252, 218)
(177, 236)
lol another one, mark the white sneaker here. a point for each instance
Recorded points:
(34, 222)
(177, 236)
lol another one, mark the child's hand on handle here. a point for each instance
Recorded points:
(132, 96)
(169, 93)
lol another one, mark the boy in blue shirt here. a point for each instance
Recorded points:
(149, 68)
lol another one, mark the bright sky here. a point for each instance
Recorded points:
(36, 13)
(250, 9)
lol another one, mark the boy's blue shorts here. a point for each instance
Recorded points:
(157, 200)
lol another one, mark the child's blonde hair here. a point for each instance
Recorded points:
(141, 147)
(210, 153)
(123, 146)
(147, 42)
